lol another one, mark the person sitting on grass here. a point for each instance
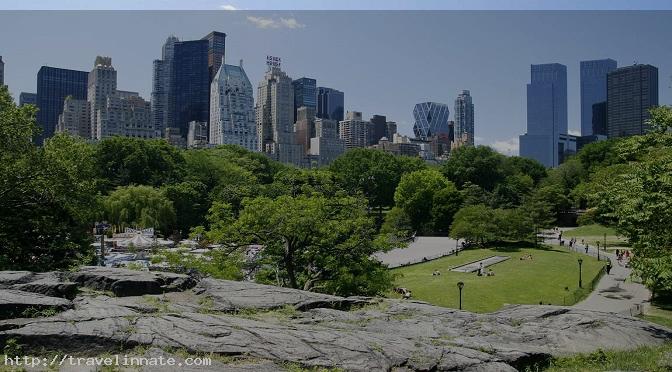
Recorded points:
(436, 273)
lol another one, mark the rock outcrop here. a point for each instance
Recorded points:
(266, 327)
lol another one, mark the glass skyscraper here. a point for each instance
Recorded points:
(464, 118)
(53, 85)
(631, 92)
(431, 118)
(330, 104)
(546, 114)
(216, 50)
(593, 89)
(190, 83)
(305, 94)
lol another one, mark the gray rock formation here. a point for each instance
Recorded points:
(266, 327)
(124, 282)
(15, 303)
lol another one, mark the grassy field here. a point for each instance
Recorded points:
(651, 359)
(593, 233)
(544, 278)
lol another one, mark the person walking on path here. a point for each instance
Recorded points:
(608, 267)
(586, 248)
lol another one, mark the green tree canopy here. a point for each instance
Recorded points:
(313, 243)
(47, 204)
(479, 165)
(126, 161)
(139, 207)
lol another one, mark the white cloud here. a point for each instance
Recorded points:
(228, 7)
(262, 22)
(291, 23)
(265, 22)
(573, 132)
(506, 147)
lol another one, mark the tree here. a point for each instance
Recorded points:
(372, 172)
(660, 119)
(525, 166)
(313, 243)
(428, 199)
(47, 205)
(475, 224)
(445, 204)
(139, 207)
(479, 165)
(191, 204)
(123, 161)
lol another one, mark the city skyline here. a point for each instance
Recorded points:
(496, 79)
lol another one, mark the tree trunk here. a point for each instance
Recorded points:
(289, 265)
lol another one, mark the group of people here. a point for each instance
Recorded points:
(526, 257)
(483, 272)
(622, 254)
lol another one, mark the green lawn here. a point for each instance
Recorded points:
(516, 281)
(593, 233)
(647, 358)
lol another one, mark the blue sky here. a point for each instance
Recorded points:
(384, 61)
(338, 4)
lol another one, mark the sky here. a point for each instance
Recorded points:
(384, 61)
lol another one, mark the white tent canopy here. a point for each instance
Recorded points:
(137, 241)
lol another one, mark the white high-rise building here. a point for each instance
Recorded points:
(464, 118)
(275, 118)
(353, 130)
(326, 145)
(232, 117)
(75, 119)
(102, 84)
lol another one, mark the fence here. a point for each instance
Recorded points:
(578, 294)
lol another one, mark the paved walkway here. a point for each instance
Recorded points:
(423, 248)
(615, 293)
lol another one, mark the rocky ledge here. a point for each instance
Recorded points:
(264, 328)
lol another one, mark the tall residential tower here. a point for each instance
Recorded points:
(53, 86)
(232, 108)
(464, 118)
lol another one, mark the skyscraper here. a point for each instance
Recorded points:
(330, 104)
(464, 118)
(546, 114)
(599, 119)
(216, 51)
(53, 85)
(75, 118)
(353, 130)
(275, 117)
(431, 118)
(593, 89)
(631, 92)
(2, 72)
(304, 128)
(378, 129)
(326, 145)
(162, 100)
(305, 94)
(102, 83)
(232, 108)
(190, 84)
(27, 99)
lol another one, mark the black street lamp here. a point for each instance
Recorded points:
(598, 250)
(456, 248)
(580, 281)
(460, 285)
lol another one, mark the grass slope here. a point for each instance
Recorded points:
(594, 233)
(652, 359)
(516, 281)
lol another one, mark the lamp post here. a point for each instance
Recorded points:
(580, 279)
(598, 250)
(456, 246)
(605, 242)
(460, 285)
